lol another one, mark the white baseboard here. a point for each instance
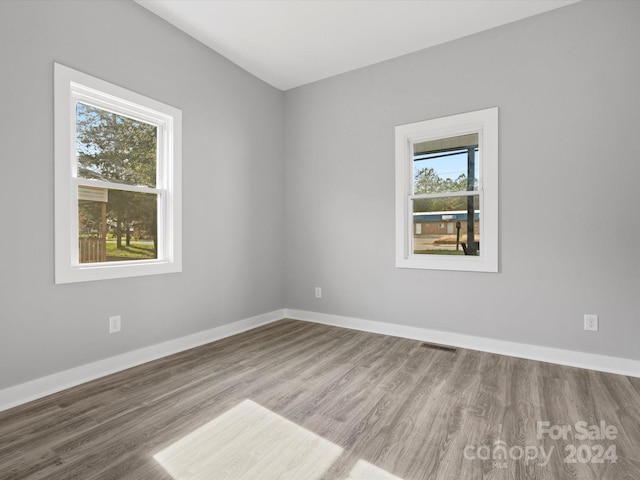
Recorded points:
(41, 387)
(603, 363)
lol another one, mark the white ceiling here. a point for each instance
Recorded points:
(288, 43)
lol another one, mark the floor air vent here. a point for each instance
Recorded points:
(435, 346)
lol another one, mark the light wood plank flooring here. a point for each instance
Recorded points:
(300, 401)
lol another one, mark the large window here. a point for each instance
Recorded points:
(447, 193)
(117, 181)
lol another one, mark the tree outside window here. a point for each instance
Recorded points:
(116, 149)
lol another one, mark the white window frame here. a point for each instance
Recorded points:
(71, 86)
(485, 124)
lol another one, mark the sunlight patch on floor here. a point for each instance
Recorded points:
(363, 470)
(250, 442)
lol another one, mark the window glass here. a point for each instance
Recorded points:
(441, 226)
(117, 181)
(446, 165)
(447, 193)
(115, 148)
(121, 226)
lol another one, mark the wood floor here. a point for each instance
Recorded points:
(300, 401)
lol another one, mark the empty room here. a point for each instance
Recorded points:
(320, 240)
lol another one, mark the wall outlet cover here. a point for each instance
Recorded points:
(591, 322)
(115, 323)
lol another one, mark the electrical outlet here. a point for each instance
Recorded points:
(318, 292)
(591, 322)
(114, 324)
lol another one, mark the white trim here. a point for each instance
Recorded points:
(481, 122)
(71, 86)
(464, 193)
(602, 363)
(41, 387)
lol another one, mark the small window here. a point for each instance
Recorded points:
(117, 181)
(447, 173)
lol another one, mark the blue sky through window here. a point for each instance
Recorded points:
(451, 166)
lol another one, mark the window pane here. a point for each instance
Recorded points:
(446, 226)
(446, 165)
(116, 225)
(115, 148)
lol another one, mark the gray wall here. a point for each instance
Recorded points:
(567, 85)
(232, 187)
